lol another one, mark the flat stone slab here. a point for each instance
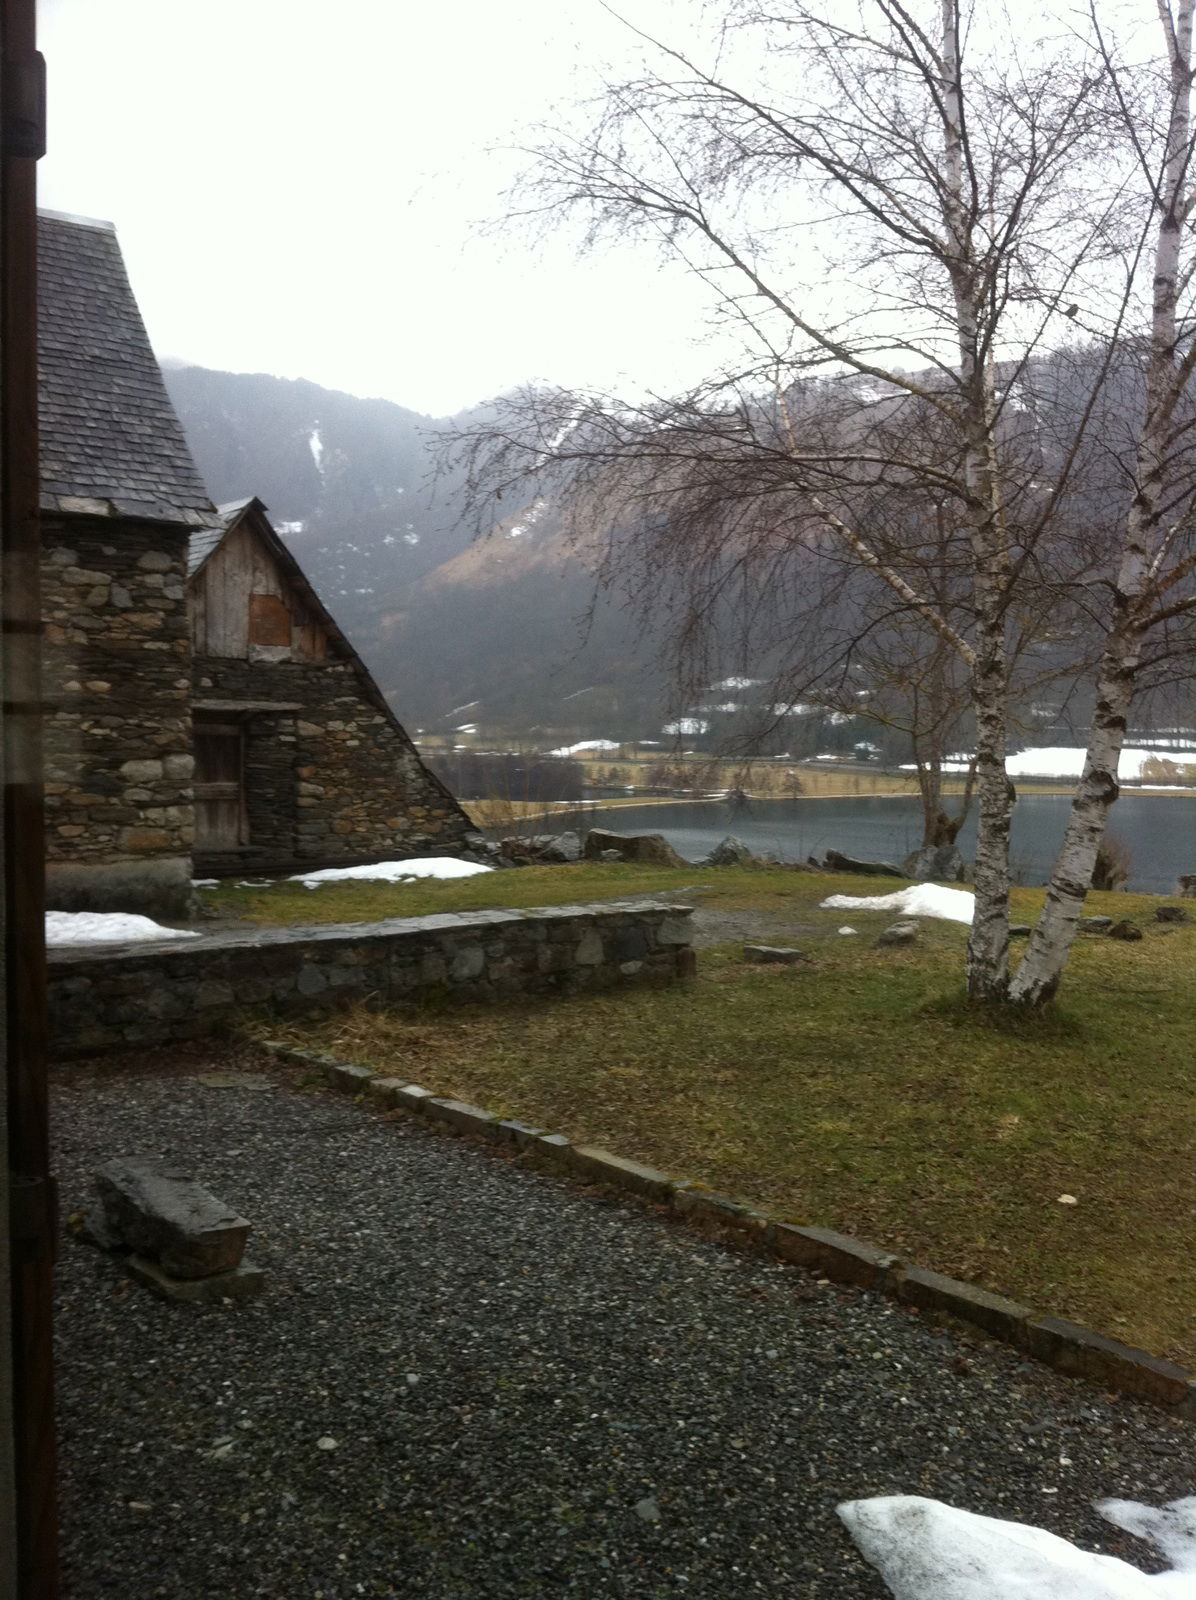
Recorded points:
(458, 1114)
(156, 1209)
(837, 862)
(774, 955)
(242, 1283)
(600, 1164)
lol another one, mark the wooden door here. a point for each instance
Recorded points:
(219, 786)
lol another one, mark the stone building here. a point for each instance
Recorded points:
(300, 759)
(120, 499)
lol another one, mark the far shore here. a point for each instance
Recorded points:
(499, 813)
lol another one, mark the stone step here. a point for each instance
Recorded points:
(156, 1209)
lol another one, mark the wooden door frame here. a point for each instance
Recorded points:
(222, 722)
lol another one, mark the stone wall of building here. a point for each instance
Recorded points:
(153, 994)
(335, 781)
(118, 761)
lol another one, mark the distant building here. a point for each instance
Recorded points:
(201, 703)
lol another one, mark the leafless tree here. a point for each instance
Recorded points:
(900, 213)
(1148, 594)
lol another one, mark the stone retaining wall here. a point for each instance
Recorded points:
(104, 997)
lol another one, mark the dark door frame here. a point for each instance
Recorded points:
(28, 1488)
(226, 724)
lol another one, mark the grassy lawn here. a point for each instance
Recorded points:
(283, 904)
(861, 1092)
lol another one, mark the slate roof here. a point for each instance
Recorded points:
(111, 444)
(204, 541)
(200, 545)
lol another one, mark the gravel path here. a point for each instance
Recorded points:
(713, 926)
(532, 1391)
(721, 927)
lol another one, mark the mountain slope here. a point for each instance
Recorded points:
(441, 619)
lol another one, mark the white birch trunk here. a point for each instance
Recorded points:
(1037, 979)
(988, 945)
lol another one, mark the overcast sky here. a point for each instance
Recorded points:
(301, 189)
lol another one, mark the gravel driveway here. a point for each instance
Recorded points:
(532, 1391)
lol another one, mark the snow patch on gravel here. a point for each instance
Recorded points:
(925, 1550)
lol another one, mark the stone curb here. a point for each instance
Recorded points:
(1057, 1343)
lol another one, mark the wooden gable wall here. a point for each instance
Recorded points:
(243, 607)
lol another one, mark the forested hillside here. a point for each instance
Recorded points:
(498, 627)
(497, 623)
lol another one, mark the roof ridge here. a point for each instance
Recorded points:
(76, 220)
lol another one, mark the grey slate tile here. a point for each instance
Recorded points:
(108, 430)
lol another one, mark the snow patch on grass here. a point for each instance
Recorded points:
(393, 871)
(919, 900)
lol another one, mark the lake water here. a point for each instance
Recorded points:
(1160, 831)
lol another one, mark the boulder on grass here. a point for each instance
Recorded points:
(1170, 914)
(514, 852)
(529, 850)
(898, 933)
(935, 863)
(872, 869)
(561, 847)
(1125, 930)
(644, 849)
(731, 852)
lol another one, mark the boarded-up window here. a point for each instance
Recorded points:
(269, 620)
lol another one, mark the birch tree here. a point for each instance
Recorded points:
(1152, 585)
(898, 213)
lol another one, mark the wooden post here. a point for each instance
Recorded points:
(31, 1215)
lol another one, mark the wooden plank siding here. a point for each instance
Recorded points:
(222, 598)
